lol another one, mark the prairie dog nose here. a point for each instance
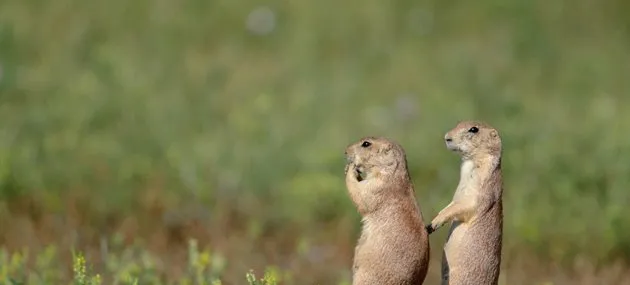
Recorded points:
(448, 138)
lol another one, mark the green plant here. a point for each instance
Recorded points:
(81, 274)
(270, 277)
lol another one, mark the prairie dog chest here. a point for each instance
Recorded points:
(468, 187)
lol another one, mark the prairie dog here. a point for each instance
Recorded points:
(472, 253)
(393, 248)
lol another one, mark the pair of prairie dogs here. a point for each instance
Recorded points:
(393, 248)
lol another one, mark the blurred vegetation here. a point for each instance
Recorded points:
(123, 271)
(226, 120)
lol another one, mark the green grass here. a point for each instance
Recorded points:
(161, 121)
(14, 269)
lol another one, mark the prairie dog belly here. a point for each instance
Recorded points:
(456, 243)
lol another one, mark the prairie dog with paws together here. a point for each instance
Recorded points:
(393, 248)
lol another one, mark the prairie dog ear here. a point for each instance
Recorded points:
(494, 133)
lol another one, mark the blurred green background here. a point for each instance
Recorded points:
(148, 123)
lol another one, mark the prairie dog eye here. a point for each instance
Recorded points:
(366, 144)
(473, 130)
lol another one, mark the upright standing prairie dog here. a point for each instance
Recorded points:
(472, 253)
(394, 245)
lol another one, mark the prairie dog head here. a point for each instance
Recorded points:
(473, 139)
(376, 171)
(373, 157)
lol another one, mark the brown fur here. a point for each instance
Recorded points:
(472, 253)
(394, 246)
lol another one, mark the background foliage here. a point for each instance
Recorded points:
(134, 126)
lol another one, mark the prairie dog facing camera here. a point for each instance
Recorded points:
(393, 247)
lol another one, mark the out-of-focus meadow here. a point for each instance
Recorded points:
(180, 141)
